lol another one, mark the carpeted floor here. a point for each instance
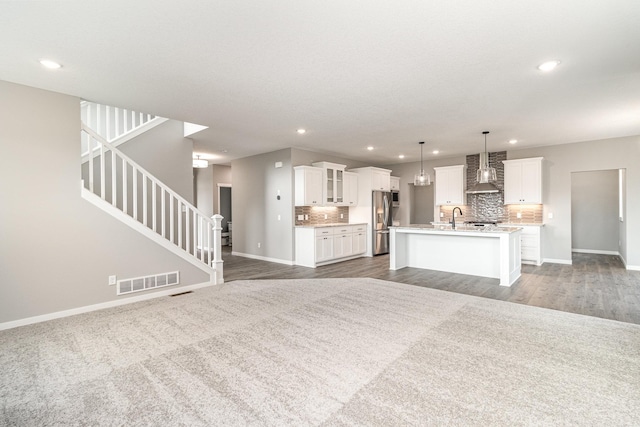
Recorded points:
(321, 352)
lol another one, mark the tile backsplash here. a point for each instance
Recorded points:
(316, 215)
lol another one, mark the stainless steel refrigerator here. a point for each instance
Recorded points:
(381, 202)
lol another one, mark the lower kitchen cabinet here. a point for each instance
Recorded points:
(530, 243)
(321, 245)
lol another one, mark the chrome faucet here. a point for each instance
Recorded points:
(453, 217)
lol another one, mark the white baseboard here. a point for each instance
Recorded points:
(100, 306)
(263, 258)
(633, 267)
(557, 261)
(595, 251)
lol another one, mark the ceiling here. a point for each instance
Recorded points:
(352, 73)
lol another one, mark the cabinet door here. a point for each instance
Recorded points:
(308, 186)
(381, 180)
(512, 183)
(449, 184)
(523, 181)
(350, 189)
(395, 183)
(324, 248)
(531, 182)
(342, 245)
(359, 242)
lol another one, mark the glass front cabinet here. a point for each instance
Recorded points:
(333, 178)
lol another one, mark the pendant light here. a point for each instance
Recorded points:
(485, 173)
(423, 178)
(197, 163)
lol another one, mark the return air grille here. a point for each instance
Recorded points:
(137, 284)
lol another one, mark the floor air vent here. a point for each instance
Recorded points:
(137, 284)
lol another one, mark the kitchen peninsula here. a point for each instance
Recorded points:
(487, 252)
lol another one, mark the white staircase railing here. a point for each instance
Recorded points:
(115, 125)
(117, 184)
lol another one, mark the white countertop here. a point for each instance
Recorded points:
(335, 224)
(466, 229)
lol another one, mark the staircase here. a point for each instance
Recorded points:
(119, 186)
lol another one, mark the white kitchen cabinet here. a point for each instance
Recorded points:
(523, 181)
(308, 186)
(342, 242)
(372, 179)
(317, 246)
(449, 182)
(359, 238)
(395, 183)
(324, 244)
(530, 243)
(381, 180)
(350, 189)
(333, 183)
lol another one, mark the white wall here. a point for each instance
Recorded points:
(56, 249)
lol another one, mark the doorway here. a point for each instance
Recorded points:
(595, 212)
(224, 209)
(422, 207)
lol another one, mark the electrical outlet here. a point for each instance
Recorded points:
(326, 216)
(278, 217)
(341, 216)
(441, 214)
(300, 217)
(112, 280)
(306, 217)
(550, 215)
(519, 215)
(259, 244)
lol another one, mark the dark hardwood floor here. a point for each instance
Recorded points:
(595, 285)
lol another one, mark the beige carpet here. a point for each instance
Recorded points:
(321, 352)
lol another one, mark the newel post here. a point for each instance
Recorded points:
(216, 261)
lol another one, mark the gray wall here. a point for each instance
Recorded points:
(256, 182)
(594, 211)
(56, 249)
(166, 154)
(206, 186)
(559, 164)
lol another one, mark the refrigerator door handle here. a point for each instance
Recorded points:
(386, 211)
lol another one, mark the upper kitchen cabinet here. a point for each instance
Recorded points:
(449, 182)
(395, 183)
(350, 189)
(333, 183)
(373, 179)
(523, 181)
(308, 186)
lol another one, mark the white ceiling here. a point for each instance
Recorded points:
(353, 73)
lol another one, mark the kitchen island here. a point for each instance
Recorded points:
(487, 252)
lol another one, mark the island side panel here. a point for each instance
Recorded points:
(514, 260)
(397, 250)
(455, 253)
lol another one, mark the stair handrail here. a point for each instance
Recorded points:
(213, 226)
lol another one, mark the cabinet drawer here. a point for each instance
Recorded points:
(324, 231)
(529, 241)
(342, 230)
(359, 228)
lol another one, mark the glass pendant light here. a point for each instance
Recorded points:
(485, 173)
(423, 178)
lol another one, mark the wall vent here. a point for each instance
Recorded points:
(137, 284)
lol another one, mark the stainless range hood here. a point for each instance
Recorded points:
(483, 187)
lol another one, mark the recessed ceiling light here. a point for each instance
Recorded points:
(435, 151)
(301, 131)
(548, 66)
(401, 156)
(370, 148)
(52, 65)
(513, 141)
